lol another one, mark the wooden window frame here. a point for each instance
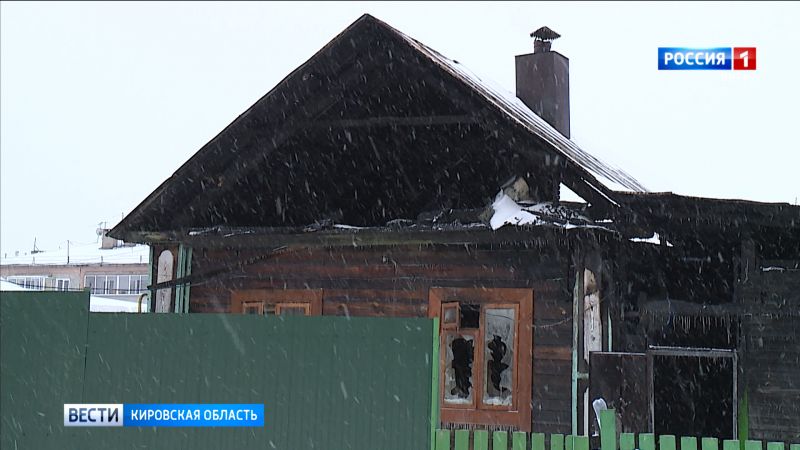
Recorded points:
(274, 297)
(451, 326)
(519, 414)
(258, 305)
(305, 306)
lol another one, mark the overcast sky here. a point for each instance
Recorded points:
(100, 102)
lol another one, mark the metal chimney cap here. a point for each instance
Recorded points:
(545, 34)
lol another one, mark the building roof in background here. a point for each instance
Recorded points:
(80, 254)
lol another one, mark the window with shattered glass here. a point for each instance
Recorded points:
(498, 340)
(459, 359)
(478, 351)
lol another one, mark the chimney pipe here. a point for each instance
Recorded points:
(543, 80)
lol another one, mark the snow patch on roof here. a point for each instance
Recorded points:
(509, 212)
(9, 286)
(566, 194)
(655, 239)
(81, 254)
(342, 226)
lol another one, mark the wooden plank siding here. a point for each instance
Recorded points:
(771, 346)
(395, 281)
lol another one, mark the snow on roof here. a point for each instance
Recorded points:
(655, 239)
(81, 254)
(6, 286)
(509, 212)
(612, 177)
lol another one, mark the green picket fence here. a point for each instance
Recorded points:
(500, 440)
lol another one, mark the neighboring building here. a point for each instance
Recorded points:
(382, 179)
(109, 268)
(96, 303)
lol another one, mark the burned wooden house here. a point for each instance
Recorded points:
(380, 178)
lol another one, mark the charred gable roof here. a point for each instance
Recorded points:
(374, 127)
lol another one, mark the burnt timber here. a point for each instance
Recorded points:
(366, 178)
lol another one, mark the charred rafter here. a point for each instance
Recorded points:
(392, 121)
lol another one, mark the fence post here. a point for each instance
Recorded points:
(627, 441)
(666, 442)
(709, 443)
(608, 429)
(556, 442)
(730, 444)
(480, 440)
(688, 443)
(518, 440)
(442, 440)
(499, 440)
(647, 441)
(462, 439)
(537, 441)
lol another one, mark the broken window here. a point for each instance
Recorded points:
(459, 358)
(485, 355)
(499, 355)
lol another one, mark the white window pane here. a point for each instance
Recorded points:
(99, 284)
(111, 285)
(124, 284)
(499, 356)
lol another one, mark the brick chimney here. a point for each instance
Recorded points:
(543, 80)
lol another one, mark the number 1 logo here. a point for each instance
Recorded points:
(744, 58)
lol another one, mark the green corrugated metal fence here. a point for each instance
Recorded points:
(326, 382)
